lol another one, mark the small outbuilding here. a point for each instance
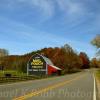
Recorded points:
(41, 65)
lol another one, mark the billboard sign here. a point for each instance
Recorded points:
(36, 65)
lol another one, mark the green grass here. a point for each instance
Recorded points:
(12, 72)
(15, 76)
(98, 74)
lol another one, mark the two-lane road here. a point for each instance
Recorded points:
(79, 86)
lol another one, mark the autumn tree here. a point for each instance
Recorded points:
(72, 61)
(95, 63)
(65, 57)
(3, 52)
(85, 60)
(96, 42)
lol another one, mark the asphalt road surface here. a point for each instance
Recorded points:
(78, 86)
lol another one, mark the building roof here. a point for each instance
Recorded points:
(56, 67)
(48, 61)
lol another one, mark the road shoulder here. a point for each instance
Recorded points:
(97, 76)
(98, 88)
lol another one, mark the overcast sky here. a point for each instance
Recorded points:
(27, 25)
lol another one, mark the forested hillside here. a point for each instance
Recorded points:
(63, 57)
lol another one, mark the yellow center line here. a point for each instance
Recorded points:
(29, 95)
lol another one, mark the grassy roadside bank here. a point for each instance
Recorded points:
(97, 74)
(15, 76)
(12, 72)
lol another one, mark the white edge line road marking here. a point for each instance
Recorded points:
(94, 91)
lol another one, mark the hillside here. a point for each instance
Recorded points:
(65, 58)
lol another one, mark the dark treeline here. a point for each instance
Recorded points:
(63, 57)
